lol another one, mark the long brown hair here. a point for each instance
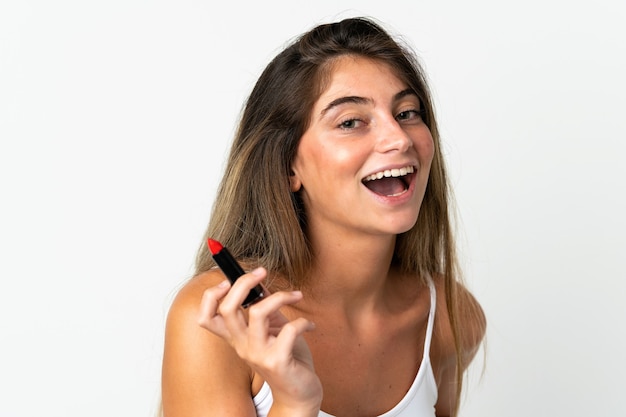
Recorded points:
(257, 216)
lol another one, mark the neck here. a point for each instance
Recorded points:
(350, 274)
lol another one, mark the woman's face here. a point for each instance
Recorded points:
(363, 163)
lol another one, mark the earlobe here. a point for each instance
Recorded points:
(294, 183)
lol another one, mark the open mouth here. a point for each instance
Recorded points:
(390, 182)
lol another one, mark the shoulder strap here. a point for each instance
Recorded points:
(431, 316)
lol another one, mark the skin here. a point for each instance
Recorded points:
(325, 348)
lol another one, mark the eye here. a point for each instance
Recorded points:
(350, 124)
(410, 115)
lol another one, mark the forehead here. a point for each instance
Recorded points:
(355, 75)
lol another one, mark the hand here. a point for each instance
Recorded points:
(262, 336)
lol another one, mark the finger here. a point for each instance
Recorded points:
(208, 316)
(286, 339)
(265, 313)
(230, 307)
(241, 288)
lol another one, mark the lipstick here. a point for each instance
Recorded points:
(233, 270)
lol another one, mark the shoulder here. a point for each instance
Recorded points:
(184, 310)
(457, 306)
(201, 373)
(191, 293)
(471, 322)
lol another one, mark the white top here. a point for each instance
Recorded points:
(420, 399)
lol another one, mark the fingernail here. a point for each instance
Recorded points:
(258, 272)
(223, 284)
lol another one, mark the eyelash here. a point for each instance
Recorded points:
(344, 123)
(417, 113)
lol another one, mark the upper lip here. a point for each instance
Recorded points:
(392, 171)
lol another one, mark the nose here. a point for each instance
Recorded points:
(392, 137)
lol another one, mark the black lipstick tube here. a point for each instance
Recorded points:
(233, 271)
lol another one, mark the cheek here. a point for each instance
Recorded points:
(321, 162)
(425, 146)
(308, 164)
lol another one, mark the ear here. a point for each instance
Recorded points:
(294, 182)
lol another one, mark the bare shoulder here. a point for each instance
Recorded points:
(183, 313)
(471, 325)
(201, 373)
(470, 320)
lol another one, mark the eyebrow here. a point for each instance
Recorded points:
(343, 100)
(363, 100)
(404, 93)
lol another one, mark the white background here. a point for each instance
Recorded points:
(115, 117)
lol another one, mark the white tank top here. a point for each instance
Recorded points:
(420, 399)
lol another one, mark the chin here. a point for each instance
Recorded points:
(398, 227)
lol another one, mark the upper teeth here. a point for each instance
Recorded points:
(399, 172)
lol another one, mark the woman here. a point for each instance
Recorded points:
(335, 197)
